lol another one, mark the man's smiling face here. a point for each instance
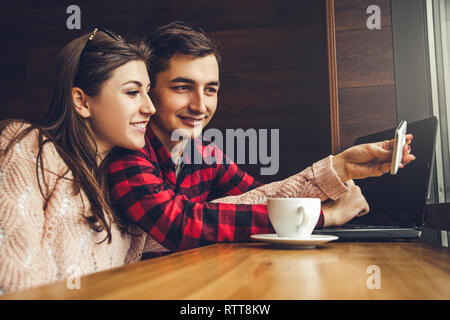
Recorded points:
(185, 96)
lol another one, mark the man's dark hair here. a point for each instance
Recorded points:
(177, 38)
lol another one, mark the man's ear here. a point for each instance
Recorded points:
(80, 102)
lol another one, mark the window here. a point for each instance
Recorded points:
(438, 27)
(421, 47)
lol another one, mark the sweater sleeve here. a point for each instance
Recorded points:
(318, 181)
(23, 263)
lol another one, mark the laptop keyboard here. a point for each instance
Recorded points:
(365, 226)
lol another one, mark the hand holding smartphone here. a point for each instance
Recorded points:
(400, 140)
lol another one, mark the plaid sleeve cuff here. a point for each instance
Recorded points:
(327, 179)
(321, 221)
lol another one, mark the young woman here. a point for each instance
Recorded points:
(55, 217)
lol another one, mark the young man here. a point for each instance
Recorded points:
(170, 201)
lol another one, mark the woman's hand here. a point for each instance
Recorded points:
(369, 160)
(340, 211)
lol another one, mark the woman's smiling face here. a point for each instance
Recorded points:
(120, 113)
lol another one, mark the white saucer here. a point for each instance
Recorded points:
(310, 243)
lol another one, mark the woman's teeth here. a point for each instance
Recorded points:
(141, 125)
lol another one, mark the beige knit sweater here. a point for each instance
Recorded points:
(317, 181)
(40, 245)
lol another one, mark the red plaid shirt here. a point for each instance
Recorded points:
(175, 210)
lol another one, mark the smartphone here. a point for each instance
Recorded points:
(400, 140)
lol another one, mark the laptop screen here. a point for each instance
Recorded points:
(399, 200)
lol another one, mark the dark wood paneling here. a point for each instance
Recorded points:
(274, 47)
(365, 110)
(40, 74)
(364, 58)
(365, 67)
(39, 4)
(14, 71)
(14, 107)
(272, 92)
(12, 6)
(225, 15)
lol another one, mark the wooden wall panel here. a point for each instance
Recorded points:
(272, 47)
(253, 92)
(14, 70)
(371, 102)
(226, 15)
(365, 58)
(274, 72)
(365, 67)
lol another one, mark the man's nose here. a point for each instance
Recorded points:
(197, 103)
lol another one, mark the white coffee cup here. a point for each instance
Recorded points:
(294, 217)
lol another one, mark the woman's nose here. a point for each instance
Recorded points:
(147, 106)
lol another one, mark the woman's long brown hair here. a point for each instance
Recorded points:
(61, 125)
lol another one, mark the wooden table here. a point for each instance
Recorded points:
(337, 270)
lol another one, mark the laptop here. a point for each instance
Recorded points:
(397, 202)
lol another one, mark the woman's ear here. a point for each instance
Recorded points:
(81, 103)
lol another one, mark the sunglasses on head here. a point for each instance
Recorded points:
(108, 32)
